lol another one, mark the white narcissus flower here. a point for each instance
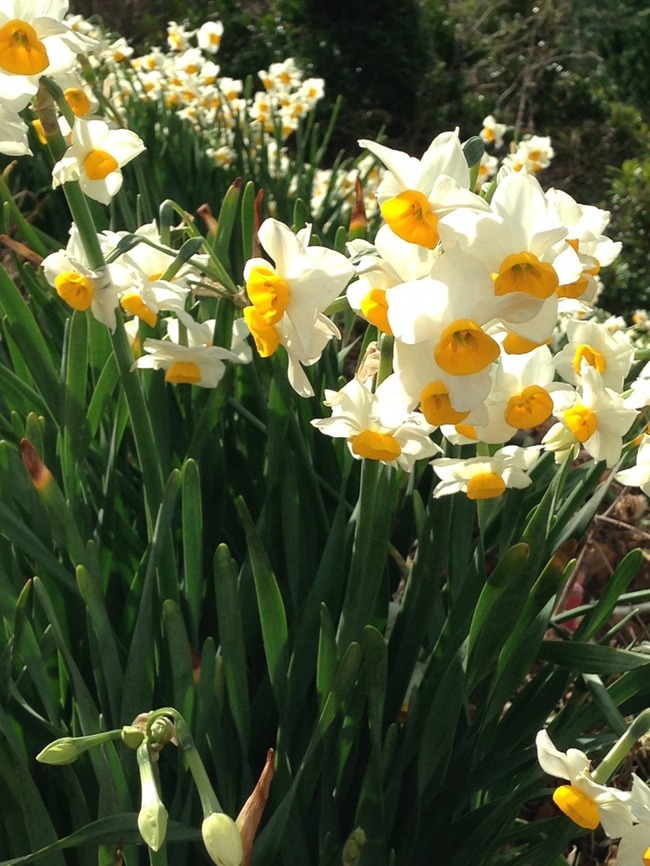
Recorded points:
(208, 36)
(288, 298)
(34, 41)
(441, 341)
(378, 426)
(80, 287)
(639, 474)
(416, 193)
(596, 417)
(198, 362)
(610, 355)
(520, 398)
(13, 134)
(485, 477)
(517, 243)
(96, 157)
(584, 801)
(493, 132)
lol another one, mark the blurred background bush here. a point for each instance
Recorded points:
(412, 68)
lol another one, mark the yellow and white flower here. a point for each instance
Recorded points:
(414, 194)
(378, 426)
(198, 362)
(288, 298)
(596, 417)
(34, 41)
(80, 287)
(610, 355)
(95, 158)
(492, 131)
(584, 801)
(485, 477)
(517, 243)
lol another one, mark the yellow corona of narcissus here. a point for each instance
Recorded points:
(584, 801)
(75, 289)
(21, 51)
(485, 477)
(34, 40)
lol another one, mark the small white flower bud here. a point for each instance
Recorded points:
(152, 823)
(222, 839)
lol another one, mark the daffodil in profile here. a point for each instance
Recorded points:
(82, 288)
(196, 362)
(583, 800)
(96, 157)
(288, 297)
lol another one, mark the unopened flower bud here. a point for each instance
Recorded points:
(63, 751)
(152, 817)
(132, 736)
(222, 839)
(152, 824)
(67, 749)
(352, 848)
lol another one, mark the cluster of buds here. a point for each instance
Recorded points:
(228, 842)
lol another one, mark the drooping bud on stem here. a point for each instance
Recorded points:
(152, 817)
(222, 840)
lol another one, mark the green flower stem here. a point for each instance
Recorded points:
(143, 434)
(373, 515)
(45, 108)
(621, 749)
(385, 357)
(138, 411)
(209, 800)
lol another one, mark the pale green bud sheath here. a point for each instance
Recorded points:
(620, 750)
(67, 749)
(152, 817)
(222, 840)
(131, 736)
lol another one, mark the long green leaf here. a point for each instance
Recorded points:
(590, 658)
(273, 618)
